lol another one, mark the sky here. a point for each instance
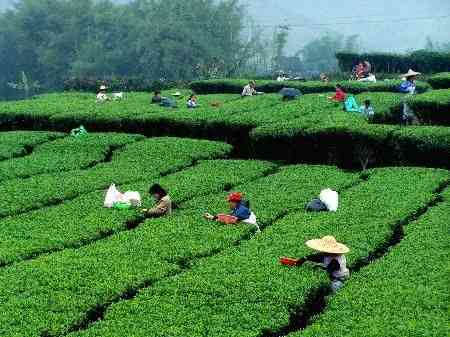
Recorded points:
(383, 25)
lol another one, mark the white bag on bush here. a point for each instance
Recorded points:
(330, 198)
(112, 196)
(133, 198)
(252, 221)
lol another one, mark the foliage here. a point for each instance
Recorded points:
(391, 292)
(48, 231)
(432, 107)
(52, 41)
(310, 87)
(19, 143)
(244, 291)
(64, 154)
(440, 81)
(421, 60)
(262, 126)
(138, 161)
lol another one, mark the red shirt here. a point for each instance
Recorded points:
(340, 95)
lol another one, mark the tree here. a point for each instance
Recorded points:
(280, 39)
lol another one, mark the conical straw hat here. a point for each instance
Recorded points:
(328, 244)
(411, 73)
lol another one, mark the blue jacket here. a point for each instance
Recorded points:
(241, 212)
(407, 87)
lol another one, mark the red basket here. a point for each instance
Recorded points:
(289, 261)
(227, 219)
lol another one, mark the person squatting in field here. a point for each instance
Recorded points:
(249, 89)
(163, 204)
(240, 212)
(330, 256)
(340, 94)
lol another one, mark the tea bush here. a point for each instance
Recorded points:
(402, 294)
(64, 154)
(18, 143)
(245, 291)
(144, 160)
(440, 81)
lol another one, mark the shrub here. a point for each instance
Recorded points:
(423, 61)
(440, 81)
(82, 220)
(432, 107)
(311, 87)
(245, 291)
(391, 293)
(18, 143)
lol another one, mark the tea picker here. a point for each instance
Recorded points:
(163, 204)
(330, 257)
(79, 132)
(328, 201)
(240, 212)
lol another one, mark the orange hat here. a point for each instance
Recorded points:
(235, 197)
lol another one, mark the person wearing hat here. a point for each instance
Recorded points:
(102, 96)
(163, 204)
(331, 257)
(239, 210)
(249, 89)
(408, 86)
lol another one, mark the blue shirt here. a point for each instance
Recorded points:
(407, 87)
(241, 212)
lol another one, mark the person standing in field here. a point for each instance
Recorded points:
(249, 89)
(163, 204)
(408, 87)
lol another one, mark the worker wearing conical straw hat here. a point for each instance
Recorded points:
(331, 257)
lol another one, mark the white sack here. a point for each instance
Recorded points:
(112, 196)
(330, 198)
(252, 221)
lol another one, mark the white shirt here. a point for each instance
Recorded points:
(102, 97)
(248, 90)
(342, 273)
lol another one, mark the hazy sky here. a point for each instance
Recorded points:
(394, 25)
(384, 25)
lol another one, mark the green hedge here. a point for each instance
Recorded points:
(397, 295)
(64, 154)
(432, 107)
(260, 126)
(143, 160)
(421, 60)
(245, 291)
(19, 143)
(86, 220)
(103, 269)
(440, 81)
(350, 146)
(311, 87)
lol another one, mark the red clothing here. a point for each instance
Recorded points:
(339, 96)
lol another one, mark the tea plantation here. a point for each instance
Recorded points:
(70, 267)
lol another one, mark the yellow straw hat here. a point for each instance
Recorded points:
(328, 244)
